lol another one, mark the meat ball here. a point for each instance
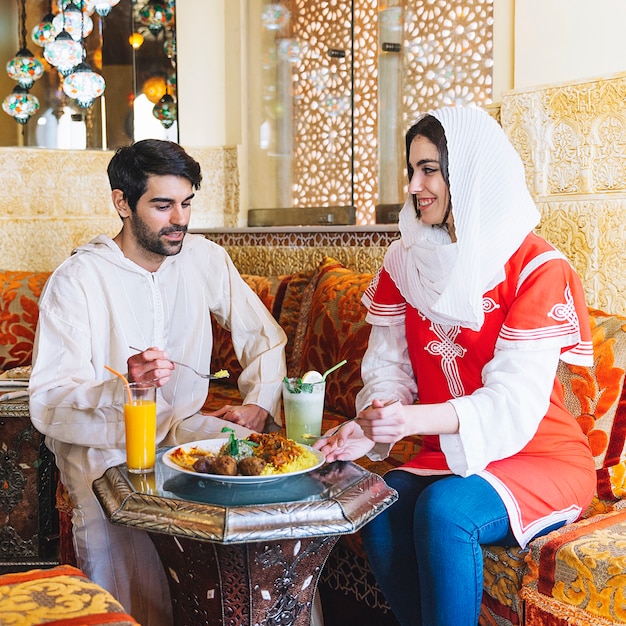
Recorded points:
(204, 465)
(225, 466)
(251, 466)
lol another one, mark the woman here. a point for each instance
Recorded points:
(470, 314)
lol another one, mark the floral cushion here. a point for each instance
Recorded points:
(61, 595)
(19, 312)
(335, 329)
(224, 358)
(597, 397)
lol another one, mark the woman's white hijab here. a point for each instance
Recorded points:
(493, 213)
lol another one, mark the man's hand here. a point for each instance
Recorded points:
(151, 365)
(249, 415)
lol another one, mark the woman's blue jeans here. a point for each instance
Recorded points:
(425, 548)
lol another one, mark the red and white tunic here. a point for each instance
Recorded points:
(532, 451)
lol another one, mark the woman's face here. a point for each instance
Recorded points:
(427, 183)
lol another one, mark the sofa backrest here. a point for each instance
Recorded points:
(322, 315)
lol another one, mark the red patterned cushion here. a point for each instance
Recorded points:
(282, 295)
(19, 312)
(597, 397)
(335, 329)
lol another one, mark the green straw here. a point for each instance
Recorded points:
(333, 368)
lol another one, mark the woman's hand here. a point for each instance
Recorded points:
(348, 444)
(384, 421)
(151, 365)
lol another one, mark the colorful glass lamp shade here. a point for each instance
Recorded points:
(84, 85)
(74, 21)
(165, 110)
(64, 53)
(103, 7)
(25, 68)
(45, 31)
(20, 105)
(156, 15)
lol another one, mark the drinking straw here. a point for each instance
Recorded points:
(333, 368)
(130, 398)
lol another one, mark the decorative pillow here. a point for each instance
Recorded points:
(282, 295)
(224, 358)
(335, 329)
(597, 397)
(19, 312)
(62, 595)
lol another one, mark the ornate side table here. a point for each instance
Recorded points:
(244, 554)
(28, 535)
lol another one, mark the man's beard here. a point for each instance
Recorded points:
(153, 242)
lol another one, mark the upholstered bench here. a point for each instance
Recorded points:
(62, 595)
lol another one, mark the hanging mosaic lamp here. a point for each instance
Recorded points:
(85, 6)
(136, 40)
(20, 105)
(275, 16)
(165, 110)
(45, 31)
(74, 21)
(64, 53)
(156, 15)
(169, 47)
(25, 68)
(83, 85)
(103, 7)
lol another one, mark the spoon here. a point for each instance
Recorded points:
(312, 437)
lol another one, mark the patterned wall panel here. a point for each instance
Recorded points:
(448, 55)
(54, 200)
(572, 139)
(334, 50)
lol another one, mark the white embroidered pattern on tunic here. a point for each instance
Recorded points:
(560, 312)
(489, 305)
(565, 312)
(449, 351)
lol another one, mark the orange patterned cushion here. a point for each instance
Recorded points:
(597, 397)
(336, 330)
(282, 295)
(62, 596)
(19, 312)
(266, 287)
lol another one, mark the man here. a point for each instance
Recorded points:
(151, 286)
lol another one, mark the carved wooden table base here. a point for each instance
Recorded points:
(266, 583)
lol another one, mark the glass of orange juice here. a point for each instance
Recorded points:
(140, 422)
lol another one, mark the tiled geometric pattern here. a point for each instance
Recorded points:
(571, 138)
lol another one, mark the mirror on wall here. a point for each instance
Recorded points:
(131, 46)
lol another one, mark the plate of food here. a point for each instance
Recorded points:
(261, 457)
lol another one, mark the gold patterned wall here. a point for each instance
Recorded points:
(572, 138)
(54, 200)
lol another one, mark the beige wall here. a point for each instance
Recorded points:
(565, 40)
(54, 200)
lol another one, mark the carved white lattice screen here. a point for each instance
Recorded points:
(447, 59)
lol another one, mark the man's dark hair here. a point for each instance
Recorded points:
(131, 166)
